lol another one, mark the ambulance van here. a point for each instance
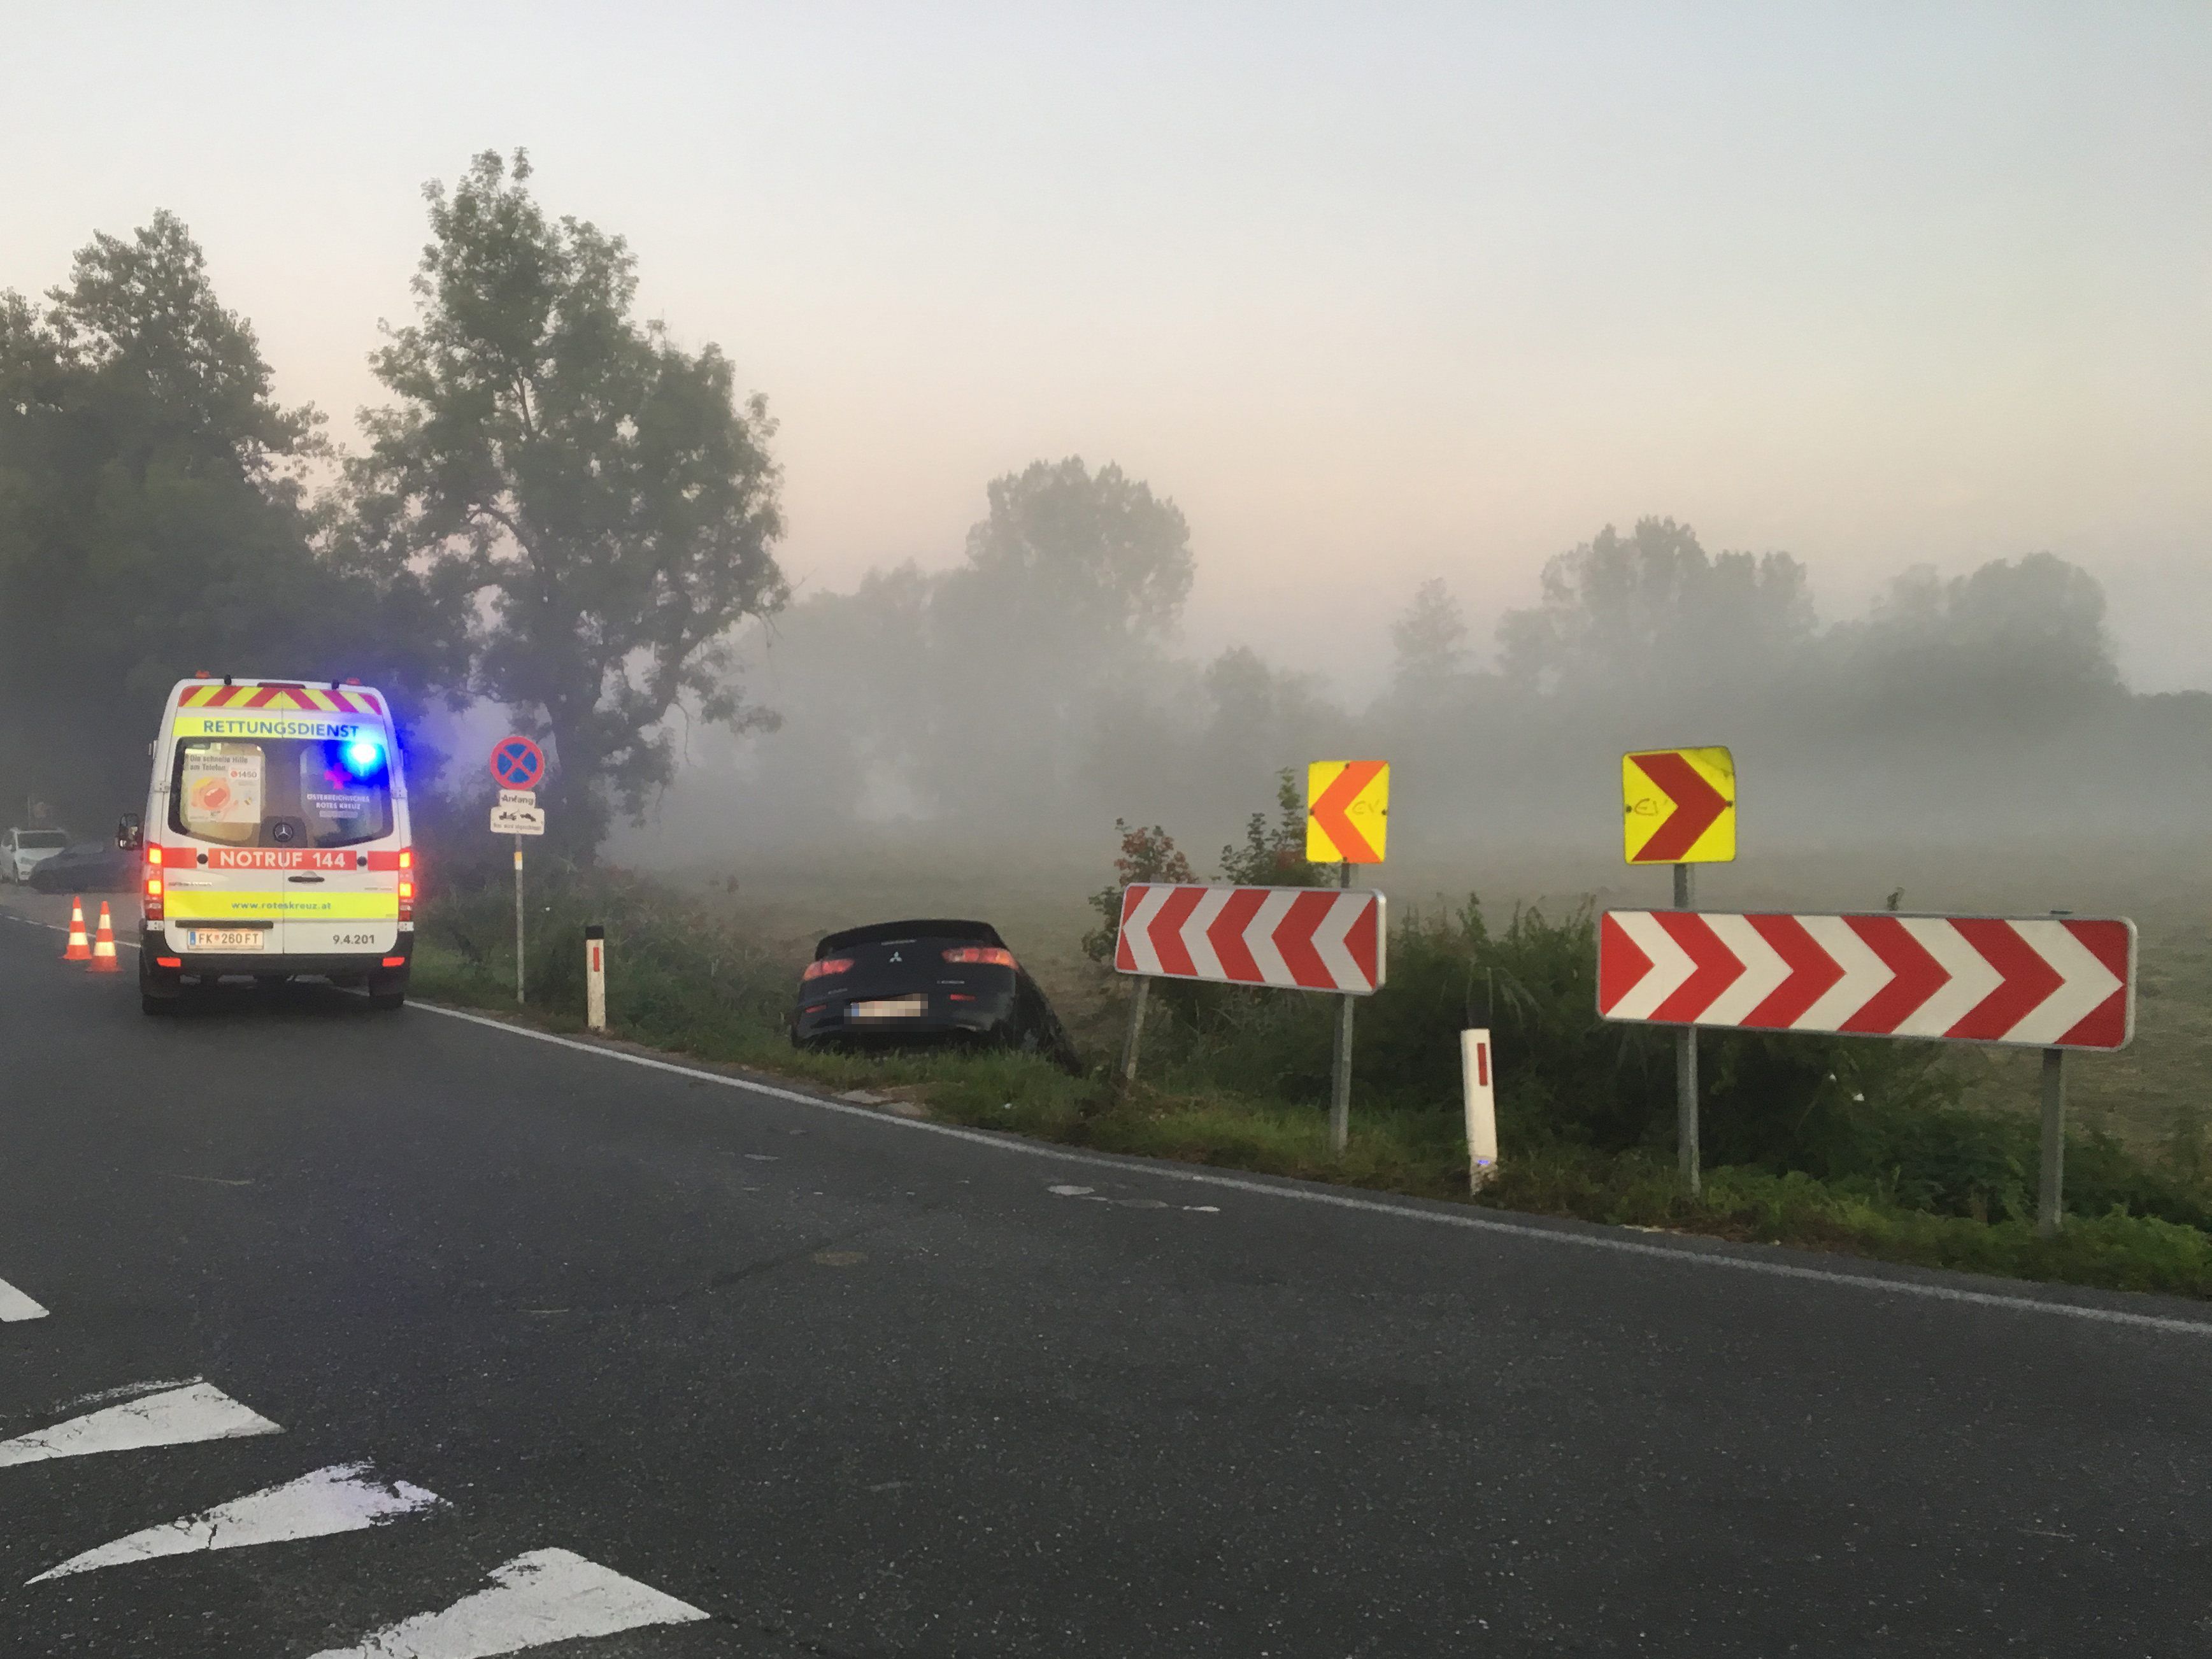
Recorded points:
(275, 840)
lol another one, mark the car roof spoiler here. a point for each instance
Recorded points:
(883, 932)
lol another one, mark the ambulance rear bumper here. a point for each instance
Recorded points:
(156, 953)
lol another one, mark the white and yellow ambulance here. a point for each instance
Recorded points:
(275, 840)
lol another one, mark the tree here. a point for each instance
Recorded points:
(1274, 852)
(2017, 644)
(1072, 585)
(153, 522)
(599, 490)
(1428, 642)
(1098, 554)
(1651, 612)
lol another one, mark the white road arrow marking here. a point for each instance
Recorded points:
(1864, 974)
(1202, 956)
(1972, 978)
(14, 1305)
(1764, 969)
(1329, 946)
(1138, 929)
(1670, 964)
(199, 1410)
(340, 1498)
(2084, 983)
(545, 1596)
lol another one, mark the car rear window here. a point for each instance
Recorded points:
(281, 792)
(39, 840)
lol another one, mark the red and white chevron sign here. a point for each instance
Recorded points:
(1302, 939)
(2045, 982)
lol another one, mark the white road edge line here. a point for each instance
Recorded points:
(14, 1305)
(1346, 1201)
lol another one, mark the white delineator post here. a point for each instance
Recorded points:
(595, 977)
(518, 918)
(1479, 1084)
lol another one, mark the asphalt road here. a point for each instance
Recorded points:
(843, 1385)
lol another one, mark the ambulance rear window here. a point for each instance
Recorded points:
(281, 792)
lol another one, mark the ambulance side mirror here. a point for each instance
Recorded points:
(130, 833)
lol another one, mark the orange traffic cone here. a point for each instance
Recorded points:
(103, 948)
(80, 947)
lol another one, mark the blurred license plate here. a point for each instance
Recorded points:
(225, 938)
(889, 1008)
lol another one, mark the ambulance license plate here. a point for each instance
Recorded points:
(224, 938)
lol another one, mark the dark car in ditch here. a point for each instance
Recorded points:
(928, 981)
(90, 866)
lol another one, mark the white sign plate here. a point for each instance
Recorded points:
(518, 820)
(518, 798)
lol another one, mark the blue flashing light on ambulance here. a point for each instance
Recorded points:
(275, 840)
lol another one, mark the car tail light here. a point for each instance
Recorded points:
(825, 968)
(152, 905)
(982, 955)
(406, 884)
(168, 962)
(395, 962)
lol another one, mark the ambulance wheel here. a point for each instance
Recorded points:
(387, 990)
(151, 1004)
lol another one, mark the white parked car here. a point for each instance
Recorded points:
(24, 850)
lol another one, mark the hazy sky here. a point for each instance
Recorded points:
(1376, 293)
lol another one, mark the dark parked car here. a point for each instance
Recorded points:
(90, 866)
(933, 981)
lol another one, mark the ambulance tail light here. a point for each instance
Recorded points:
(406, 884)
(151, 901)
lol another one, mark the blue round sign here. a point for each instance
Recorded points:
(517, 763)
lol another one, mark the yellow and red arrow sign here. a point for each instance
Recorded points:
(1347, 811)
(1680, 805)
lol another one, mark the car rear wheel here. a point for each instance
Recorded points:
(387, 990)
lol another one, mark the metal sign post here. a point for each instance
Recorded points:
(1339, 1062)
(2051, 1183)
(1687, 1155)
(2050, 1198)
(1347, 823)
(1679, 808)
(1137, 1001)
(517, 764)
